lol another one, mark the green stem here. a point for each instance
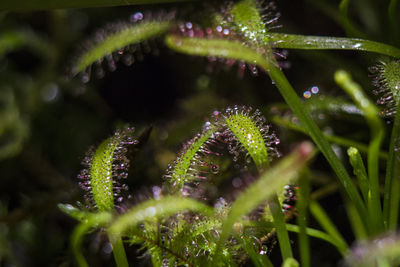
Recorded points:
(302, 203)
(344, 16)
(326, 223)
(315, 133)
(371, 114)
(119, 254)
(356, 222)
(391, 197)
(359, 171)
(332, 138)
(320, 235)
(279, 223)
(293, 41)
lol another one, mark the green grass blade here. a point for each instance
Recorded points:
(320, 235)
(359, 171)
(150, 209)
(280, 226)
(315, 133)
(356, 222)
(302, 218)
(119, 254)
(392, 180)
(326, 223)
(293, 41)
(371, 114)
(341, 141)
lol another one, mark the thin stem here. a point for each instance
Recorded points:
(391, 197)
(371, 114)
(356, 223)
(293, 41)
(279, 223)
(344, 15)
(119, 254)
(359, 171)
(332, 138)
(320, 235)
(302, 203)
(326, 223)
(315, 133)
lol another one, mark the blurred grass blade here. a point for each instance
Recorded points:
(303, 200)
(372, 117)
(320, 235)
(280, 226)
(265, 187)
(326, 223)
(290, 262)
(150, 209)
(359, 171)
(72, 211)
(10, 5)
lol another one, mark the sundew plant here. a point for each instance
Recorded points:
(211, 133)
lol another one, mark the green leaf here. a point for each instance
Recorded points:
(248, 21)
(293, 41)
(151, 209)
(250, 137)
(72, 211)
(228, 49)
(128, 35)
(179, 175)
(371, 114)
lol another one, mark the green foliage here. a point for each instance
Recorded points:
(248, 134)
(121, 37)
(244, 12)
(106, 166)
(179, 175)
(221, 203)
(216, 47)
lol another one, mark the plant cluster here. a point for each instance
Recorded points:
(229, 197)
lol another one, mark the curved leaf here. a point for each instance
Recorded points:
(163, 207)
(129, 34)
